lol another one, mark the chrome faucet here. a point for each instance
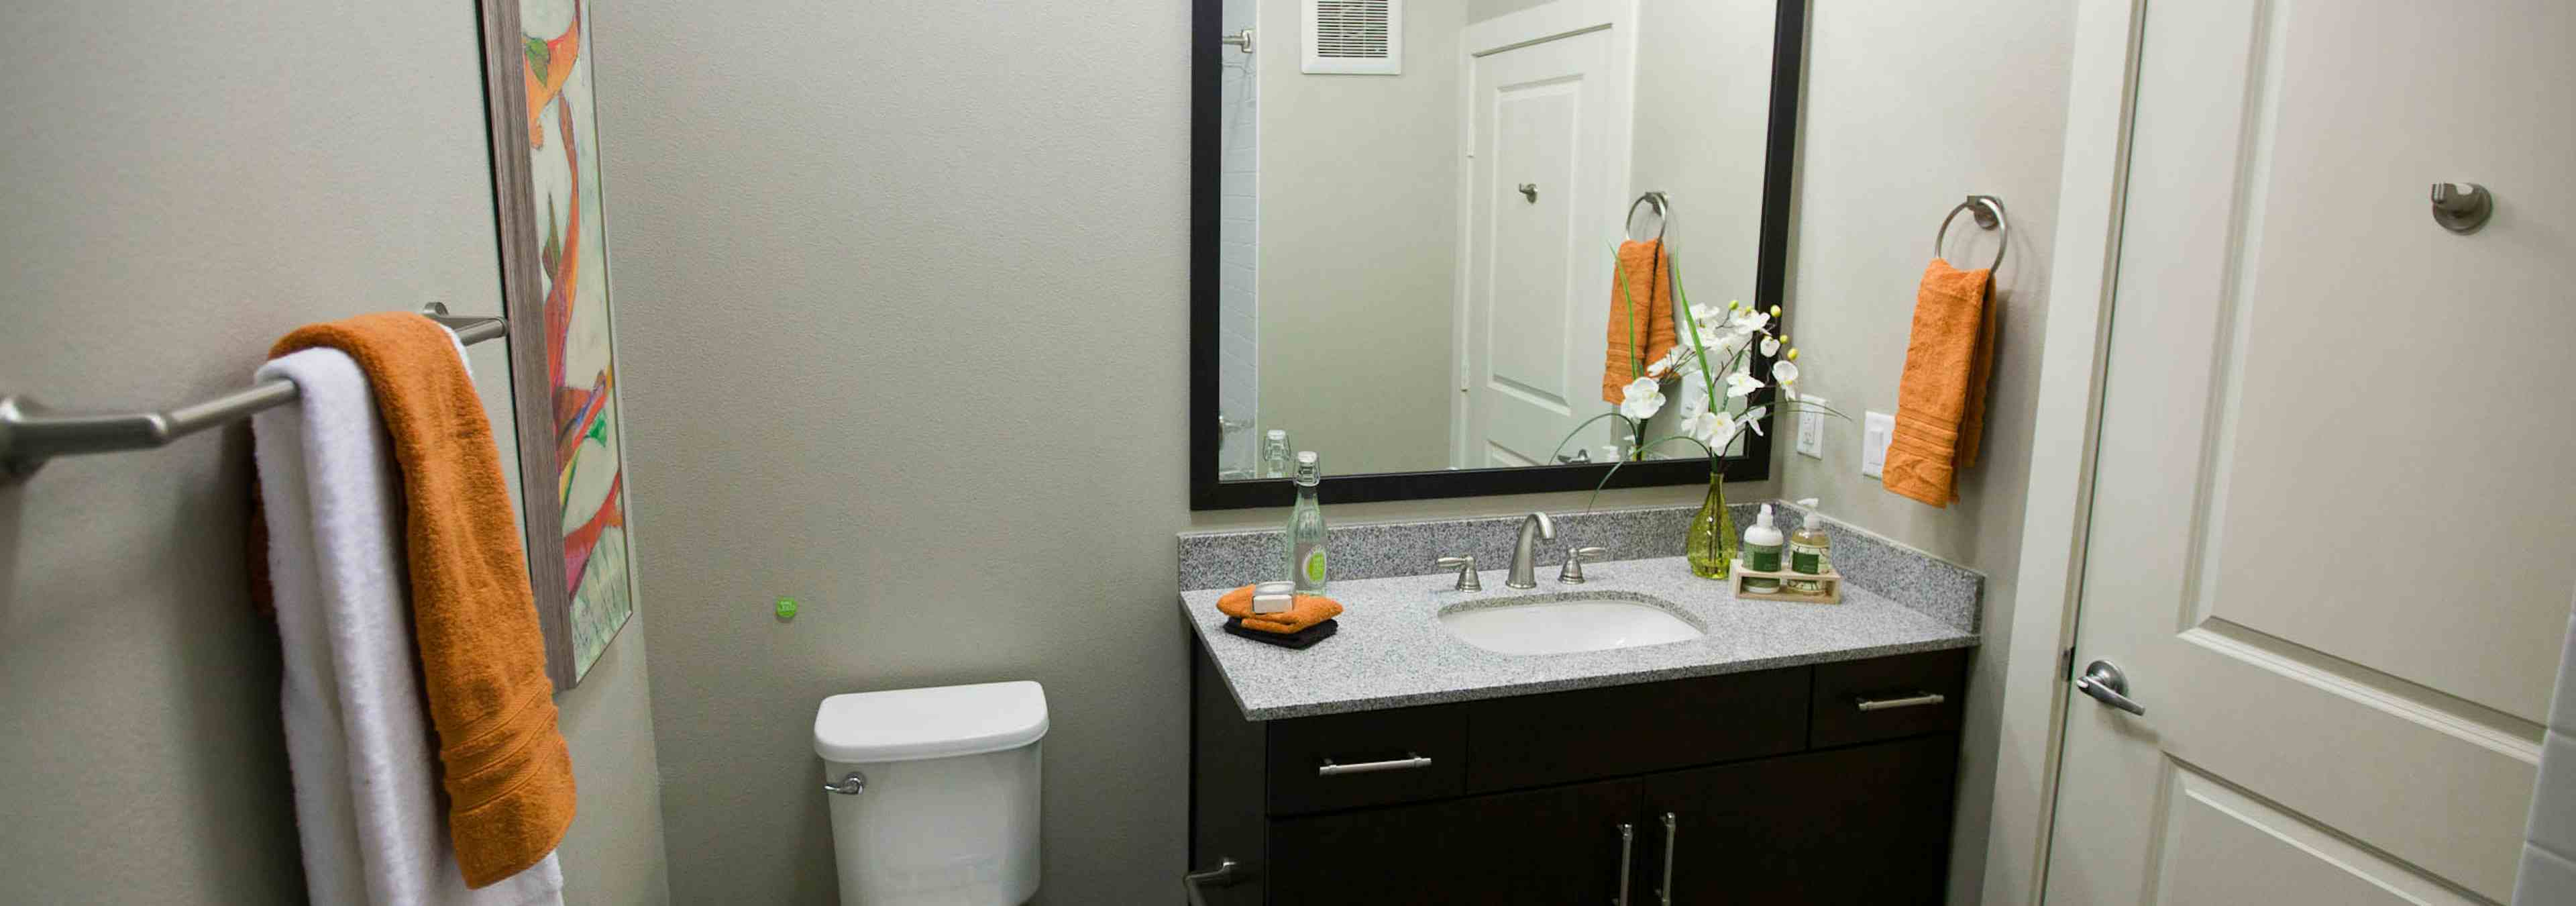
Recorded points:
(1534, 529)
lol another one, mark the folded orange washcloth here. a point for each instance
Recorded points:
(507, 773)
(1941, 400)
(1307, 611)
(1640, 313)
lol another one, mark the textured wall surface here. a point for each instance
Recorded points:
(1898, 126)
(184, 183)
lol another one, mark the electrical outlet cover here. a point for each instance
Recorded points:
(1811, 429)
(1877, 428)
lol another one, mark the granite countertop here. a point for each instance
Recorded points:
(1391, 651)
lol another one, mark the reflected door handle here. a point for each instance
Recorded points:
(1529, 190)
(2107, 685)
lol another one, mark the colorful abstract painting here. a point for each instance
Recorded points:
(578, 397)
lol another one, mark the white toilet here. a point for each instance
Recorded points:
(934, 793)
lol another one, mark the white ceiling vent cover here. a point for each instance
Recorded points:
(1353, 37)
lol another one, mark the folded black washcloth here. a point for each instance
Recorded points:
(1300, 639)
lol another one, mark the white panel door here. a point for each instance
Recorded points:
(2331, 511)
(1538, 261)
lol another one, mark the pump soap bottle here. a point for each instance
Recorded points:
(1762, 545)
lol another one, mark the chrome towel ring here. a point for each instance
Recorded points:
(1988, 212)
(1663, 216)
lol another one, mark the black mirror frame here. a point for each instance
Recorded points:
(1208, 492)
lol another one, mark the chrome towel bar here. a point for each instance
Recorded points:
(30, 433)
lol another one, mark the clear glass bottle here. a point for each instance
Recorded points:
(1306, 528)
(1274, 454)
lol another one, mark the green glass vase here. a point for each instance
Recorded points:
(1712, 534)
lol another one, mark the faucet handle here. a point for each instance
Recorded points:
(1575, 557)
(1466, 567)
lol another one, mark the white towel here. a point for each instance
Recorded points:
(358, 740)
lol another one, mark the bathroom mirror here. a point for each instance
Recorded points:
(1405, 217)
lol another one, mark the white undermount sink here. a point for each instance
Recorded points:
(1566, 626)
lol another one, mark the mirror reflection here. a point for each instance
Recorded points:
(1424, 203)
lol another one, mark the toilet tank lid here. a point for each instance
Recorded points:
(938, 722)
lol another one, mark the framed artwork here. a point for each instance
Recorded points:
(544, 134)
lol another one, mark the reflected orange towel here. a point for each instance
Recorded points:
(1308, 611)
(1941, 400)
(1643, 310)
(507, 773)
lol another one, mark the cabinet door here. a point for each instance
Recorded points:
(1869, 824)
(1557, 845)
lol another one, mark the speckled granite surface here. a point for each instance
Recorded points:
(1946, 592)
(1392, 652)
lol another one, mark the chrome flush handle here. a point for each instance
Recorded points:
(852, 784)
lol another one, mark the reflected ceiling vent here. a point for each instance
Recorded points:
(1353, 37)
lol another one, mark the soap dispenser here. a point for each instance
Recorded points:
(1762, 545)
(1811, 551)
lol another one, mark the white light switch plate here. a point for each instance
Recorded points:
(1811, 429)
(1877, 428)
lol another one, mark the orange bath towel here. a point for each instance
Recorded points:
(1641, 312)
(1941, 400)
(1308, 611)
(506, 771)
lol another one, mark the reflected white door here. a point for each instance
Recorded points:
(2332, 511)
(1538, 261)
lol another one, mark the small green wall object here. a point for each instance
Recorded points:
(787, 608)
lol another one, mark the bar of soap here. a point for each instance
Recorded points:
(1274, 597)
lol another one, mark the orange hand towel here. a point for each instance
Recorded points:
(1307, 611)
(1941, 400)
(507, 773)
(1641, 312)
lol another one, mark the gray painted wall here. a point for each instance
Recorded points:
(821, 255)
(1899, 125)
(180, 193)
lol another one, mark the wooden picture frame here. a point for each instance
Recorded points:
(546, 199)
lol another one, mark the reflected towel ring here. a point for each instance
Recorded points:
(1663, 216)
(1988, 212)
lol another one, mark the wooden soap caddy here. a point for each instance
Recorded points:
(1833, 582)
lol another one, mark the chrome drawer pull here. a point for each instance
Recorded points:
(1227, 873)
(1408, 762)
(1916, 700)
(1627, 848)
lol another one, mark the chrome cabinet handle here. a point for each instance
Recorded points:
(1672, 829)
(1916, 700)
(1408, 762)
(1627, 847)
(1227, 873)
(1466, 567)
(2107, 685)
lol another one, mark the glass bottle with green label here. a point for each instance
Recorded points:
(1306, 528)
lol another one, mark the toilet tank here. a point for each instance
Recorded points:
(946, 809)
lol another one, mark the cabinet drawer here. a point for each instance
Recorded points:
(1370, 758)
(1888, 697)
(1534, 740)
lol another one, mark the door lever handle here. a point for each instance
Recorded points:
(2107, 685)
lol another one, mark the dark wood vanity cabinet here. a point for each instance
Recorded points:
(1780, 786)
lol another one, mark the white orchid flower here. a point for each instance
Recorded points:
(1708, 317)
(1742, 384)
(1749, 322)
(1711, 428)
(1752, 418)
(1671, 358)
(1784, 372)
(1642, 398)
(1770, 347)
(1692, 407)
